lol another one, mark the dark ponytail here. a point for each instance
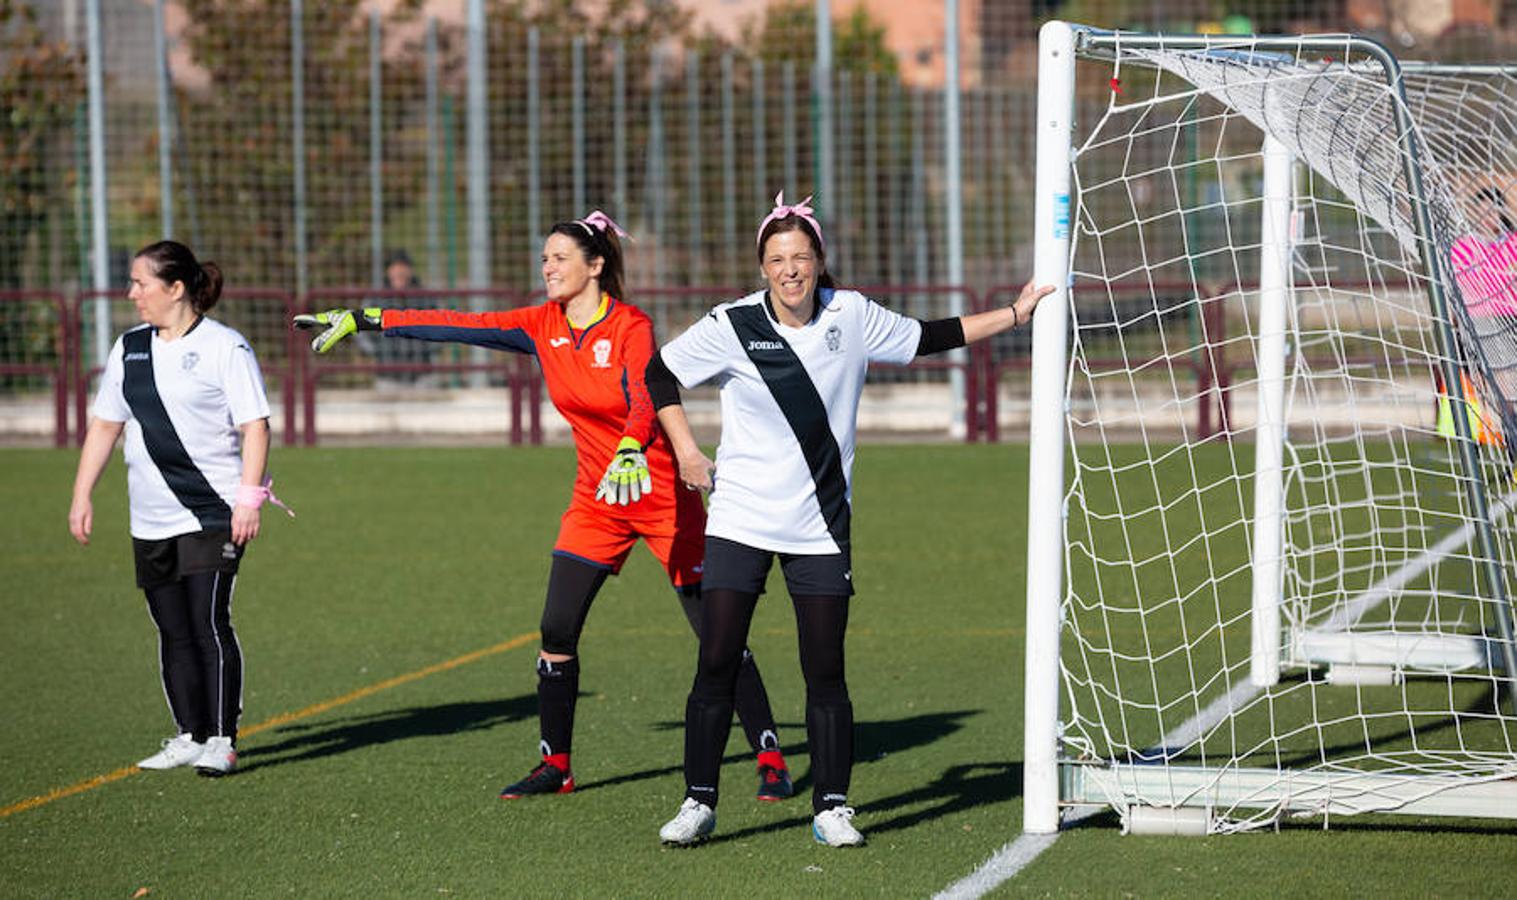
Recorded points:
(598, 242)
(173, 261)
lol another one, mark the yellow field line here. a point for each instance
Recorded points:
(281, 719)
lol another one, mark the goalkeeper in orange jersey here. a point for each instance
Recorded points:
(593, 349)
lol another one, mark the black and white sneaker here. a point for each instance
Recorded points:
(545, 779)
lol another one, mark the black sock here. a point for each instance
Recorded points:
(557, 692)
(821, 626)
(829, 730)
(752, 704)
(708, 722)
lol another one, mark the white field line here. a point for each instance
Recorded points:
(1350, 613)
(1005, 863)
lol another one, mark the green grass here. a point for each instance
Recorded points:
(402, 559)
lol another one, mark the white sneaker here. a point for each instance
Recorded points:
(180, 750)
(693, 823)
(834, 827)
(218, 757)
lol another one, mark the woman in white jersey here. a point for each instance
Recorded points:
(188, 394)
(790, 364)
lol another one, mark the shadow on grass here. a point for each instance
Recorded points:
(872, 741)
(959, 788)
(294, 743)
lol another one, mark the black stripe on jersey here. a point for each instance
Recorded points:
(797, 396)
(184, 478)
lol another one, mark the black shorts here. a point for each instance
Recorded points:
(733, 566)
(168, 560)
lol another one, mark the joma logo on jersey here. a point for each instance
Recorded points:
(766, 345)
(135, 357)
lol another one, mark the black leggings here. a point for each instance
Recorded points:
(572, 587)
(821, 622)
(199, 657)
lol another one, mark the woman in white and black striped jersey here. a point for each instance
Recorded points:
(189, 395)
(790, 365)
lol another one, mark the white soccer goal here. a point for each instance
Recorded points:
(1305, 611)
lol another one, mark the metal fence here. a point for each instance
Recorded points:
(376, 388)
(302, 145)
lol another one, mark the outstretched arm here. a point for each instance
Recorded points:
(983, 325)
(505, 330)
(946, 334)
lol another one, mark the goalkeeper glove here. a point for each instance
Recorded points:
(339, 323)
(626, 479)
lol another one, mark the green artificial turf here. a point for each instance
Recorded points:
(403, 559)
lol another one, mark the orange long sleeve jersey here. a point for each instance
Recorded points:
(594, 376)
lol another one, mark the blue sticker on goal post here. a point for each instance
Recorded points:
(1060, 216)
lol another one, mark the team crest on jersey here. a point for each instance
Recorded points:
(189, 360)
(602, 351)
(834, 338)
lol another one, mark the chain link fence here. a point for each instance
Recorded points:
(305, 145)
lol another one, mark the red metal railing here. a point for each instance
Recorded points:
(264, 316)
(56, 368)
(1209, 364)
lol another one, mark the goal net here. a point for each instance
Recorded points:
(1273, 413)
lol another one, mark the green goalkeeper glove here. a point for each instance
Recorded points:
(626, 479)
(339, 323)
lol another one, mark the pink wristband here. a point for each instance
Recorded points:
(251, 495)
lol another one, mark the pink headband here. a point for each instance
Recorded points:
(780, 211)
(599, 221)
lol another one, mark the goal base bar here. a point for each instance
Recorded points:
(1291, 792)
(1428, 652)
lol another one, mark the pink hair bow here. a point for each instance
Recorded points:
(599, 221)
(802, 209)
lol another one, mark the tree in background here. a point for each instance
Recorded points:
(41, 87)
(787, 32)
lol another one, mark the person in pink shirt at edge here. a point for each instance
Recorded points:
(1485, 271)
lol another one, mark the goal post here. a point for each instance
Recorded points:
(1045, 486)
(1307, 613)
(1269, 442)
